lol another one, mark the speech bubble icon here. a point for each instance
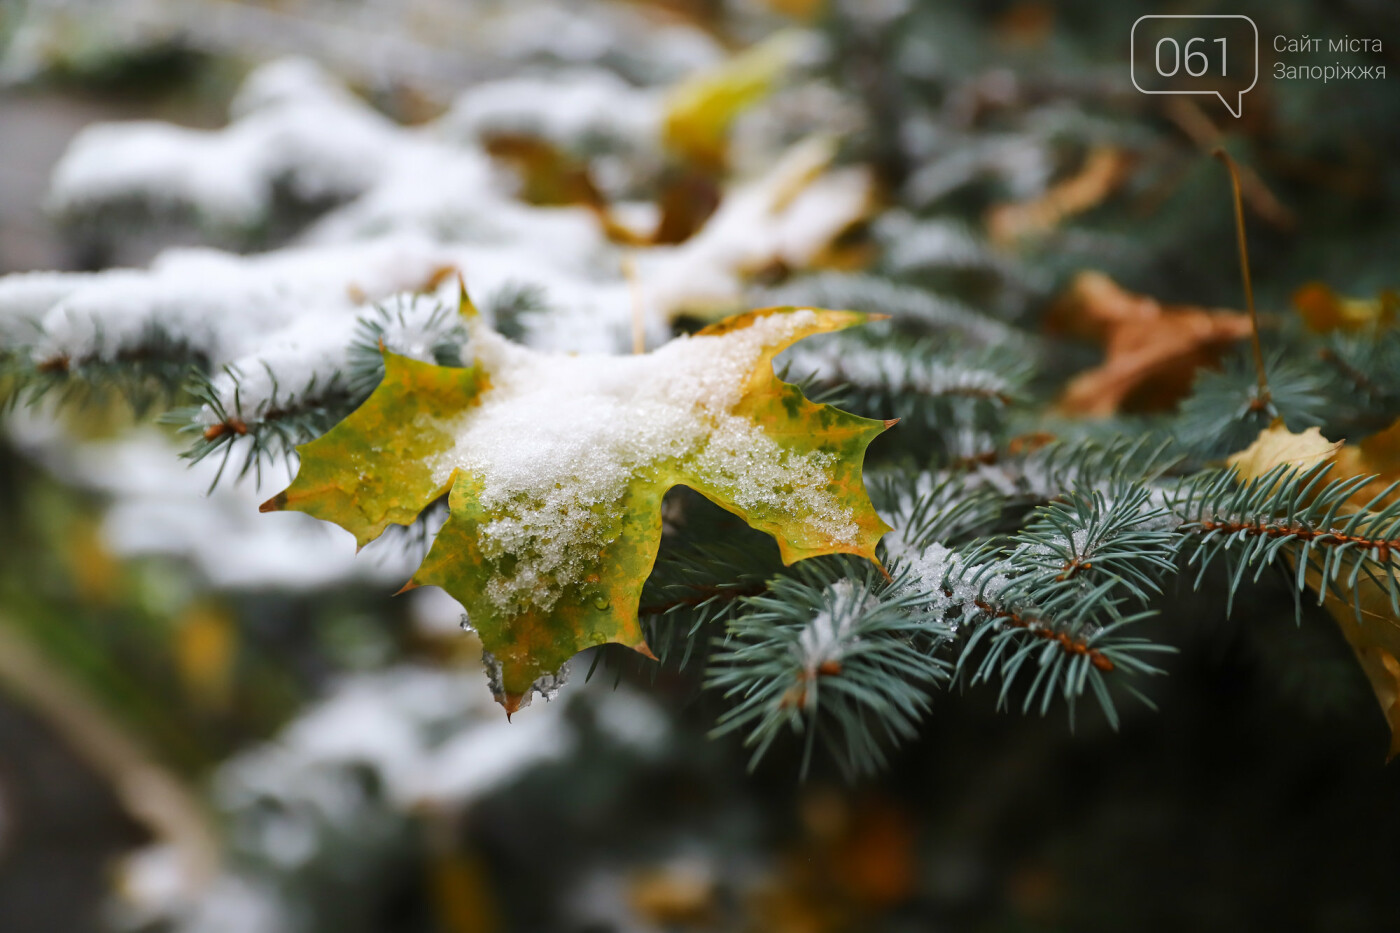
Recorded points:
(1214, 53)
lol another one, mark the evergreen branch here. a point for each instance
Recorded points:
(842, 658)
(273, 427)
(403, 328)
(953, 399)
(1122, 534)
(1226, 411)
(934, 507)
(1363, 367)
(1315, 520)
(512, 304)
(909, 308)
(1058, 468)
(270, 432)
(1005, 615)
(694, 590)
(148, 372)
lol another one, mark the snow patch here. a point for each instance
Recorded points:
(556, 440)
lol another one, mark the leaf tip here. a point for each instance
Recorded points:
(881, 567)
(645, 651)
(276, 504)
(465, 307)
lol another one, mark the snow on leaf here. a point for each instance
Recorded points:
(557, 465)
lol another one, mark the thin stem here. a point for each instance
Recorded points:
(1265, 397)
(634, 282)
(148, 790)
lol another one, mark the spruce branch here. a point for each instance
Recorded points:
(1226, 411)
(145, 373)
(946, 391)
(831, 653)
(695, 589)
(270, 428)
(1123, 535)
(1315, 520)
(269, 432)
(1363, 368)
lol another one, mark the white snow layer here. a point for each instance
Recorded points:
(828, 635)
(416, 204)
(569, 108)
(293, 125)
(556, 436)
(429, 738)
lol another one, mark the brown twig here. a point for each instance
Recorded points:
(1264, 398)
(1326, 537)
(148, 791)
(1068, 643)
(1192, 121)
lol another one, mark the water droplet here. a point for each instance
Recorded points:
(601, 602)
(596, 638)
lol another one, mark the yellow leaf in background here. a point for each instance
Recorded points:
(1104, 169)
(701, 108)
(805, 10)
(1376, 641)
(206, 644)
(1276, 445)
(1377, 455)
(97, 574)
(796, 215)
(461, 887)
(1375, 635)
(1323, 310)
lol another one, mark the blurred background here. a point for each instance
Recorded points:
(211, 723)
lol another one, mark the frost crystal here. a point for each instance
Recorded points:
(547, 685)
(954, 586)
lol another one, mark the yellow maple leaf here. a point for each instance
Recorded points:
(1276, 445)
(557, 465)
(701, 108)
(1323, 310)
(1363, 610)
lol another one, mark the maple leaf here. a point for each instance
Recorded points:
(557, 465)
(1104, 169)
(1362, 607)
(1323, 310)
(701, 108)
(1276, 445)
(1365, 614)
(1152, 350)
